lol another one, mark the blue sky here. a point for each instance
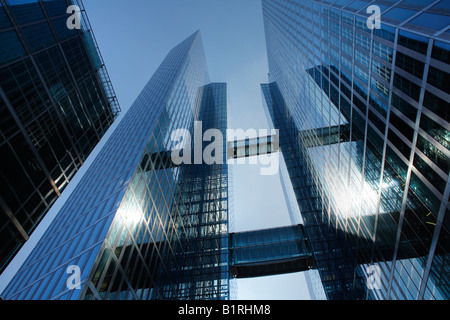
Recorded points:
(134, 39)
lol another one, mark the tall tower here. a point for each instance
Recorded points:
(139, 225)
(364, 127)
(56, 104)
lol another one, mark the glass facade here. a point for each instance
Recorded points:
(138, 226)
(176, 244)
(202, 202)
(56, 103)
(364, 131)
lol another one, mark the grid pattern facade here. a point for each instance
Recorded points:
(169, 239)
(118, 226)
(56, 103)
(379, 195)
(202, 202)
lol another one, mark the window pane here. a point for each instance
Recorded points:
(430, 20)
(440, 134)
(411, 65)
(439, 79)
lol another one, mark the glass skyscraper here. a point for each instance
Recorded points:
(363, 124)
(56, 103)
(364, 130)
(138, 226)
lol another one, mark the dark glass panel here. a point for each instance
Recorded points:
(378, 105)
(439, 133)
(401, 126)
(433, 153)
(61, 30)
(404, 107)
(413, 41)
(4, 19)
(25, 11)
(397, 163)
(431, 175)
(424, 194)
(437, 105)
(10, 238)
(16, 177)
(406, 86)
(441, 51)
(11, 48)
(411, 65)
(380, 124)
(399, 144)
(38, 36)
(440, 79)
(55, 8)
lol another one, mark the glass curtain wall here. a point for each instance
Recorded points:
(56, 103)
(382, 188)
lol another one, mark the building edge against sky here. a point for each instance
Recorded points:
(57, 102)
(365, 112)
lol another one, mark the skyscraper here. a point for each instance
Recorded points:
(56, 104)
(139, 226)
(364, 127)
